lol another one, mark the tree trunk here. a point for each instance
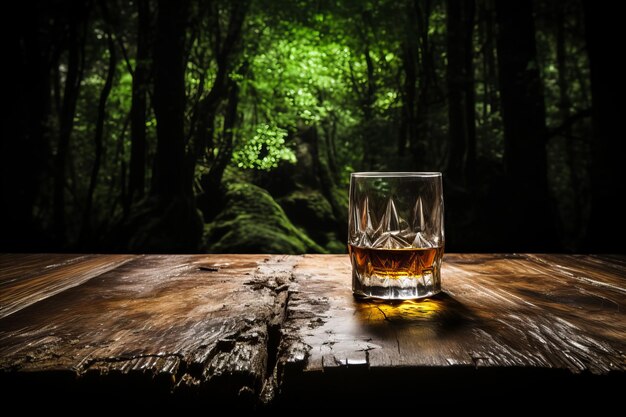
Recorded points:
(607, 227)
(523, 112)
(460, 78)
(564, 102)
(138, 149)
(75, 63)
(225, 153)
(327, 184)
(225, 48)
(428, 92)
(419, 143)
(330, 135)
(369, 146)
(99, 138)
(169, 177)
(491, 87)
(408, 130)
(113, 197)
(24, 137)
(167, 220)
(203, 144)
(575, 178)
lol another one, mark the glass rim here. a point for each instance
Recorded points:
(396, 174)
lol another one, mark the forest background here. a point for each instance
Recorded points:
(233, 126)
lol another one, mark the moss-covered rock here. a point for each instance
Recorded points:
(252, 222)
(310, 210)
(335, 246)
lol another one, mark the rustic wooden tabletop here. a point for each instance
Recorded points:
(268, 331)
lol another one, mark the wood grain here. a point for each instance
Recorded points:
(255, 331)
(505, 324)
(182, 325)
(28, 278)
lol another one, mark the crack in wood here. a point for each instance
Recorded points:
(208, 268)
(398, 343)
(383, 313)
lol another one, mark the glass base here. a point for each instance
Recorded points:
(396, 288)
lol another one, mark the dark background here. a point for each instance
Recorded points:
(232, 126)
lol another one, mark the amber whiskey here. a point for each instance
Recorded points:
(394, 263)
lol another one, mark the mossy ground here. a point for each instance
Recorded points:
(253, 222)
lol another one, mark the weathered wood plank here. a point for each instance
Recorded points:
(183, 324)
(28, 278)
(500, 312)
(254, 330)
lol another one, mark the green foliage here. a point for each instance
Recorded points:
(297, 78)
(265, 150)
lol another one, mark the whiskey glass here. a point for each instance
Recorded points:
(396, 234)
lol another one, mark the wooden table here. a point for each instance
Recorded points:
(281, 332)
